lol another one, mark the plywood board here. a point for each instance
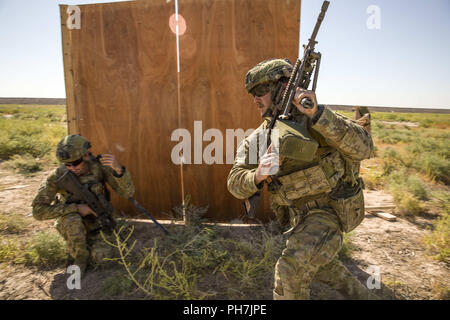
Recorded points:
(124, 70)
(223, 40)
(128, 98)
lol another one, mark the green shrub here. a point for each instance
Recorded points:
(424, 119)
(32, 131)
(116, 285)
(416, 187)
(183, 265)
(395, 136)
(46, 249)
(24, 164)
(392, 160)
(438, 241)
(391, 154)
(12, 223)
(435, 167)
(10, 251)
(407, 204)
(406, 191)
(372, 179)
(425, 143)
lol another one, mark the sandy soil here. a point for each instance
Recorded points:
(402, 123)
(407, 272)
(397, 248)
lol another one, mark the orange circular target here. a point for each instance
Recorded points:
(181, 23)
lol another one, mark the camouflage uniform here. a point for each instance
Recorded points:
(84, 242)
(318, 199)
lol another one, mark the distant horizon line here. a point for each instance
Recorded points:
(344, 107)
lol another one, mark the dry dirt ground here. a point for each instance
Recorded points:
(406, 271)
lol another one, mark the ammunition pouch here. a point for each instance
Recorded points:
(308, 183)
(348, 203)
(295, 141)
(331, 177)
(301, 184)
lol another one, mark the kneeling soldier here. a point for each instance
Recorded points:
(78, 223)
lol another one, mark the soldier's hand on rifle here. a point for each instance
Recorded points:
(111, 161)
(84, 210)
(301, 94)
(269, 164)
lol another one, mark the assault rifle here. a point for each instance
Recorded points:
(81, 193)
(300, 78)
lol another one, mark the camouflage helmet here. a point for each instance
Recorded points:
(72, 148)
(267, 71)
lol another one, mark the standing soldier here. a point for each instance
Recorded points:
(77, 222)
(319, 199)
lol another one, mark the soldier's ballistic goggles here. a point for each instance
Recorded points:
(261, 90)
(74, 163)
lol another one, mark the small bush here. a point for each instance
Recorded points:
(435, 167)
(10, 251)
(406, 191)
(438, 242)
(12, 223)
(392, 161)
(394, 136)
(46, 249)
(32, 131)
(372, 180)
(183, 265)
(416, 187)
(117, 285)
(407, 204)
(24, 164)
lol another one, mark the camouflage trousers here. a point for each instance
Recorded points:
(311, 254)
(83, 246)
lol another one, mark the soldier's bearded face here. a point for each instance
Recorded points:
(263, 102)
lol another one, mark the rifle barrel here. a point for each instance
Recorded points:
(140, 207)
(323, 10)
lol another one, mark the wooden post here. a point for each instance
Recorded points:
(72, 124)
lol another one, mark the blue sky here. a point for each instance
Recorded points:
(405, 63)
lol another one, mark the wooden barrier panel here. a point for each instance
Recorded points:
(125, 95)
(223, 40)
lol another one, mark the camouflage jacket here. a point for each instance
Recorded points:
(342, 145)
(47, 205)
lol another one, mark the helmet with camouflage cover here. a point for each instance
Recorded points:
(72, 148)
(267, 71)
